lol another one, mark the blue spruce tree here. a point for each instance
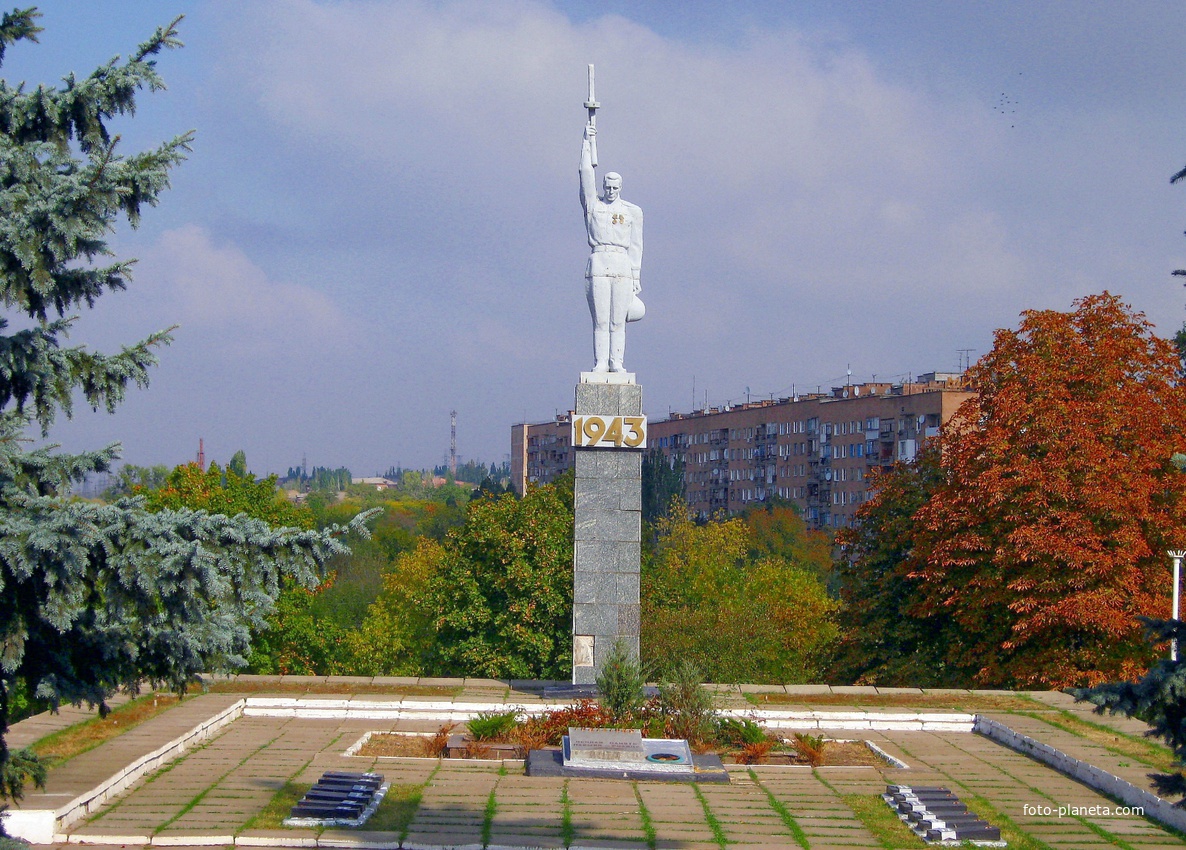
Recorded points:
(1159, 699)
(97, 597)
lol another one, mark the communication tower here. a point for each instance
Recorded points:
(453, 443)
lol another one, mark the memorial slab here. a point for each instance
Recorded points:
(605, 745)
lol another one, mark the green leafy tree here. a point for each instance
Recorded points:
(238, 464)
(398, 636)
(132, 478)
(662, 481)
(885, 642)
(499, 589)
(297, 641)
(98, 596)
(491, 489)
(736, 618)
(229, 493)
(778, 530)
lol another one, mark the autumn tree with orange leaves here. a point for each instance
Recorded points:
(1047, 537)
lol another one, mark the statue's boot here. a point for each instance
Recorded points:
(617, 349)
(600, 351)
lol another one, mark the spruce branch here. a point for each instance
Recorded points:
(17, 25)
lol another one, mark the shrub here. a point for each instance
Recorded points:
(738, 732)
(810, 748)
(435, 746)
(687, 708)
(528, 736)
(622, 682)
(551, 726)
(493, 725)
(756, 752)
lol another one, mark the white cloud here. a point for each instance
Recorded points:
(775, 159)
(216, 290)
(806, 205)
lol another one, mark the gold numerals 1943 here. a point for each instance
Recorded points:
(620, 432)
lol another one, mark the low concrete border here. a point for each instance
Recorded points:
(1093, 777)
(893, 760)
(308, 708)
(45, 826)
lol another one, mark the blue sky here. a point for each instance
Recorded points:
(379, 222)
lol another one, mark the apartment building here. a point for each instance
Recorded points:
(540, 451)
(815, 450)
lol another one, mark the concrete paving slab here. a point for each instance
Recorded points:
(807, 690)
(241, 769)
(302, 680)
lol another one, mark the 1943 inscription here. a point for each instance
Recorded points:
(616, 432)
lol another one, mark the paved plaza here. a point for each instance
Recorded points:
(208, 795)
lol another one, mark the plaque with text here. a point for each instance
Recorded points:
(609, 432)
(608, 745)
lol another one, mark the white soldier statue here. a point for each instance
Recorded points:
(612, 275)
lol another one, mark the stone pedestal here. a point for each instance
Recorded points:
(608, 509)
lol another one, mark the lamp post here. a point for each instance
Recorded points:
(1176, 555)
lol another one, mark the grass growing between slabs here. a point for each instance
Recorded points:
(83, 737)
(718, 831)
(567, 833)
(644, 815)
(968, 703)
(396, 810)
(1143, 750)
(1010, 833)
(783, 812)
(278, 808)
(877, 817)
(315, 689)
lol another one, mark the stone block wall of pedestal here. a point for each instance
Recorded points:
(608, 537)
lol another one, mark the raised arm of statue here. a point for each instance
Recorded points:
(588, 178)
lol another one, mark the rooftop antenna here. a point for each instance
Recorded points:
(747, 395)
(201, 454)
(849, 375)
(965, 355)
